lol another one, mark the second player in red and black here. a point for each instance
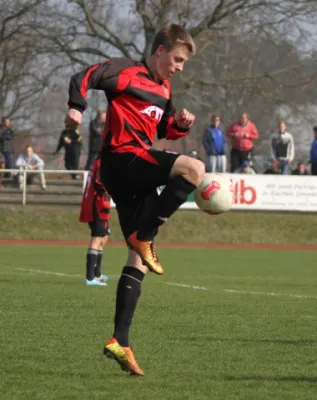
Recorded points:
(95, 211)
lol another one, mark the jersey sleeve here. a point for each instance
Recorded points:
(104, 76)
(167, 128)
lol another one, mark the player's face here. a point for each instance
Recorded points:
(170, 62)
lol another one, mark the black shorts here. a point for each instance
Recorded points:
(132, 182)
(98, 227)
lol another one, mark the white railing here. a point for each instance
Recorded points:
(46, 171)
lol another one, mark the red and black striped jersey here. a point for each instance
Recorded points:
(138, 105)
(95, 199)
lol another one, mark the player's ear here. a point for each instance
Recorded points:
(159, 50)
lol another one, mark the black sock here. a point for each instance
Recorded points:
(92, 257)
(128, 293)
(172, 197)
(98, 264)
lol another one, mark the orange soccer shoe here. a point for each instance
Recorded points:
(124, 356)
(146, 250)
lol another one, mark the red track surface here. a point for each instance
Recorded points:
(174, 245)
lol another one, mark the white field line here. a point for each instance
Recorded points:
(273, 294)
(296, 296)
(186, 286)
(243, 278)
(195, 287)
(39, 271)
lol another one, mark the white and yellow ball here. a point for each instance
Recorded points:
(215, 194)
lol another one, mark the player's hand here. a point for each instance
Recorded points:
(73, 118)
(185, 119)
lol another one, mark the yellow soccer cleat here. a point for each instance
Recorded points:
(146, 250)
(124, 356)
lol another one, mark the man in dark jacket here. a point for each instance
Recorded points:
(71, 140)
(313, 153)
(95, 137)
(216, 146)
(6, 142)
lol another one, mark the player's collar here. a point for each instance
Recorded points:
(151, 75)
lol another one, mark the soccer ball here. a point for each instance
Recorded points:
(215, 194)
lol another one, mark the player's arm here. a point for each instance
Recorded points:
(100, 77)
(174, 126)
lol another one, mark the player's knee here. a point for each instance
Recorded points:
(96, 242)
(104, 241)
(196, 171)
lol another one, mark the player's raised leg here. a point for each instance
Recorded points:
(185, 175)
(128, 293)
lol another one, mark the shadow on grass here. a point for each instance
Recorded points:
(273, 378)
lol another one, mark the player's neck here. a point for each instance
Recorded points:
(150, 62)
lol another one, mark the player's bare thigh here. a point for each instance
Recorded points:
(191, 169)
(134, 260)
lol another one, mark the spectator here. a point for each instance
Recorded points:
(275, 169)
(6, 142)
(71, 140)
(243, 133)
(245, 169)
(313, 153)
(2, 166)
(28, 160)
(282, 148)
(216, 146)
(300, 170)
(95, 137)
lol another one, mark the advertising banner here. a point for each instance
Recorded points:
(271, 192)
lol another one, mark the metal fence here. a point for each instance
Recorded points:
(25, 172)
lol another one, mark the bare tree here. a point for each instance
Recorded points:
(247, 49)
(88, 31)
(127, 27)
(21, 79)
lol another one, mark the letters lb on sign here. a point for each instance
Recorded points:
(271, 193)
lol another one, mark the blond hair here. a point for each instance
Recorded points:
(172, 35)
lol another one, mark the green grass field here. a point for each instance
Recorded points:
(61, 223)
(220, 324)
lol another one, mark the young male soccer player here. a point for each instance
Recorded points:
(139, 106)
(95, 209)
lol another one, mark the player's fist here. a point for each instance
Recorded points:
(185, 119)
(73, 118)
